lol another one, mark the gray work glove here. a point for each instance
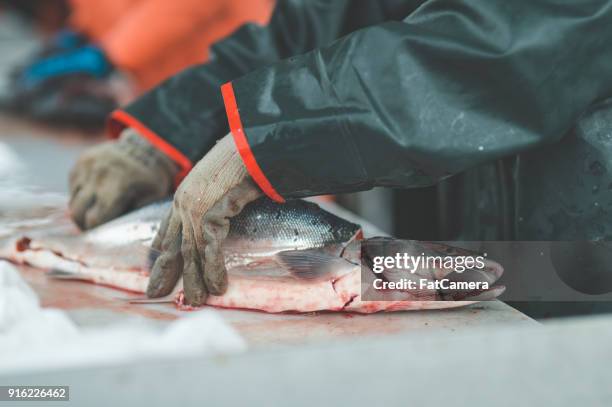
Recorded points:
(191, 235)
(116, 177)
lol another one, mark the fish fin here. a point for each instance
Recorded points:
(67, 275)
(311, 264)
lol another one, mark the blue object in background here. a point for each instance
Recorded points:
(88, 59)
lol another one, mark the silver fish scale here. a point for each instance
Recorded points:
(296, 221)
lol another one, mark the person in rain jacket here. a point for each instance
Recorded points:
(502, 103)
(67, 80)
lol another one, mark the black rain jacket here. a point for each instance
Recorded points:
(480, 97)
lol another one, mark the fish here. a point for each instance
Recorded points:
(291, 257)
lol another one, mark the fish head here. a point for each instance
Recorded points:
(431, 262)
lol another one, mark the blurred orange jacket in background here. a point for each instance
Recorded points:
(153, 39)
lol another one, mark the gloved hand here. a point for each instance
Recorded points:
(191, 236)
(88, 59)
(116, 177)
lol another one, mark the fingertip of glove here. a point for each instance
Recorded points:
(97, 215)
(195, 292)
(195, 297)
(78, 217)
(156, 291)
(217, 287)
(165, 273)
(216, 283)
(92, 219)
(157, 288)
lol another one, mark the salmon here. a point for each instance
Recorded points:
(279, 257)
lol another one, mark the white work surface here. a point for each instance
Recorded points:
(561, 364)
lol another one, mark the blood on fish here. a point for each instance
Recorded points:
(23, 244)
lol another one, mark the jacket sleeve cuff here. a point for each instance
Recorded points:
(120, 119)
(235, 124)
